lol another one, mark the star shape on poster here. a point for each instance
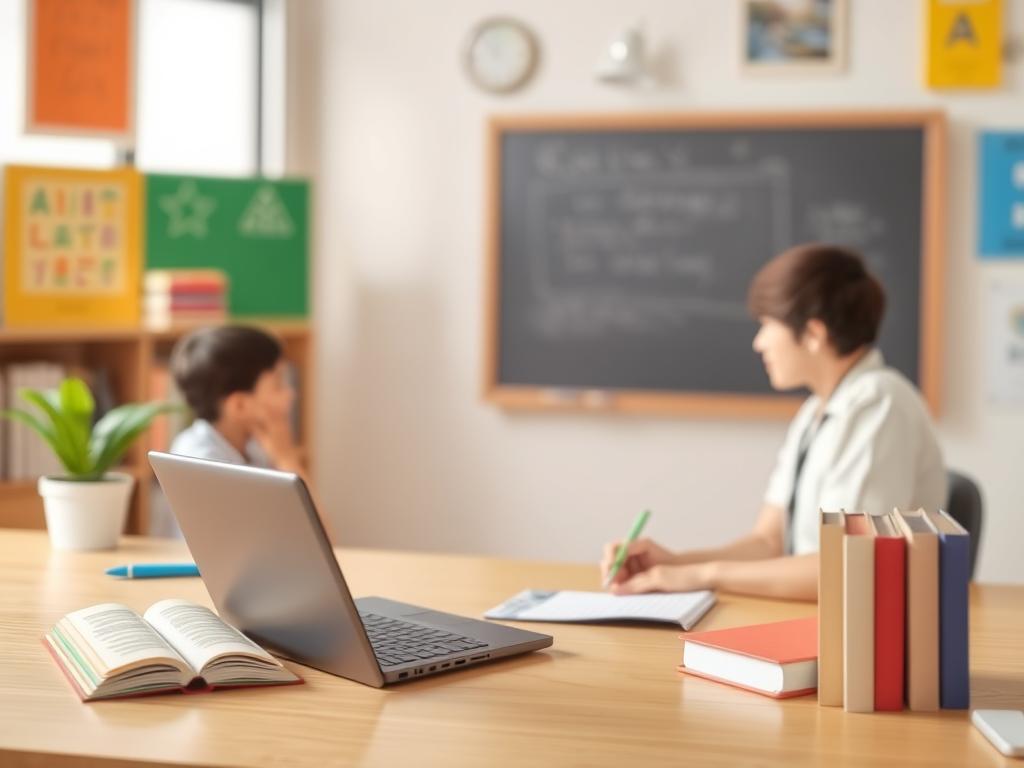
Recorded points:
(187, 211)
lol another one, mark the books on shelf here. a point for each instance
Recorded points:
(184, 297)
(904, 619)
(109, 651)
(777, 659)
(25, 455)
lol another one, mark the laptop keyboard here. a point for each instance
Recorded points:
(397, 642)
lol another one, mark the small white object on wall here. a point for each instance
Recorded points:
(624, 61)
(1005, 335)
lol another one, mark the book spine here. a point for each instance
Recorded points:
(922, 623)
(858, 623)
(954, 575)
(890, 590)
(830, 610)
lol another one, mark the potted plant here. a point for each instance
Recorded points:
(85, 508)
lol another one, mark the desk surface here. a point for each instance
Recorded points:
(601, 695)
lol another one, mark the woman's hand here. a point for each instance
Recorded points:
(641, 556)
(667, 578)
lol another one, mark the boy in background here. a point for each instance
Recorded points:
(235, 380)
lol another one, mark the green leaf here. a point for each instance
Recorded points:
(47, 434)
(73, 450)
(77, 404)
(118, 429)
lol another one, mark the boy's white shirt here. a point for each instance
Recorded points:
(202, 441)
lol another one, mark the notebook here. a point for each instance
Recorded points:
(682, 608)
(778, 659)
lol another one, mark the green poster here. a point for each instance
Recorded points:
(253, 229)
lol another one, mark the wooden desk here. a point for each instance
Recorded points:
(599, 696)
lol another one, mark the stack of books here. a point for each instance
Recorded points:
(893, 612)
(184, 297)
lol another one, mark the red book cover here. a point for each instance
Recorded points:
(890, 618)
(781, 642)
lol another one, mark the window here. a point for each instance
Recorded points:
(197, 91)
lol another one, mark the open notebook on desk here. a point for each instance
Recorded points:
(682, 608)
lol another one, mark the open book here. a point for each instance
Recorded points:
(108, 651)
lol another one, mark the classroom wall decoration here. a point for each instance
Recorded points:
(80, 67)
(1005, 335)
(255, 230)
(71, 247)
(964, 43)
(1001, 202)
(793, 36)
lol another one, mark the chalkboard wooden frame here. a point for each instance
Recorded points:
(932, 123)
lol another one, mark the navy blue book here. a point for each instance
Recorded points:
(954, 577)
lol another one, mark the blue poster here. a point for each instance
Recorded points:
(1001, 183)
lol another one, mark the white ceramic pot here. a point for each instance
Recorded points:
(86, 514)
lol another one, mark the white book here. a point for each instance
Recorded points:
(682, 608)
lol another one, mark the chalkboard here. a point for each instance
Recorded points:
(621, 249)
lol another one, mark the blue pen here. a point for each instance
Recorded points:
(154, 570)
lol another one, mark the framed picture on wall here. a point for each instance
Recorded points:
(793, 36)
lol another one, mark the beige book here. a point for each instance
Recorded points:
(858, 615)
(831, 527)
(922, 610)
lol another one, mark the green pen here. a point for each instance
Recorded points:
(620, 558)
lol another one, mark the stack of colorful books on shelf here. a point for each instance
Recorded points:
(893, 611)
(184, 297)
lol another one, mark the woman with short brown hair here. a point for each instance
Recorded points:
(862, 441)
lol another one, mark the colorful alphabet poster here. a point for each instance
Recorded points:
(255, 230)
(1001, 198)
(965, 43)
(81, 67)
(71, 255)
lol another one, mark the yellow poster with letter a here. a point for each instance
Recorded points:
(964, 46)
(71, 247)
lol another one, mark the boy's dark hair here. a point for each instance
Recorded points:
(212, 363)
(823, 282)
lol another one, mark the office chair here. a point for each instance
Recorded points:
(965, 507)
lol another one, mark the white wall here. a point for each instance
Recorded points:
(407, 456)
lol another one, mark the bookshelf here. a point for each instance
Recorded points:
(129, 357)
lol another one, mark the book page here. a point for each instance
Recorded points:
(113, 637)
(199, 634)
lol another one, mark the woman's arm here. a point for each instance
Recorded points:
(791, 578)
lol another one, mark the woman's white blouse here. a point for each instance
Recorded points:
(875, 450)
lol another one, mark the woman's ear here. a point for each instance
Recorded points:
(815, 338)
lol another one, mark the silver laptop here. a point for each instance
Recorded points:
(268, 565)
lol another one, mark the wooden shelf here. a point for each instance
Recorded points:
(129, 355)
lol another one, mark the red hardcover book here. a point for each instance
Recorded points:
(778, 659)
(890, 613)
